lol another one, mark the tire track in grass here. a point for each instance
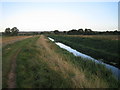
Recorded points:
(10, 54)
(12, 74)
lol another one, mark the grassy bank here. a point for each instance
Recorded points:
(92, 71)
(33, 72)
(98, 48)
(42, 64)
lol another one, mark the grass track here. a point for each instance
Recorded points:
(40, 75)
(7, 53)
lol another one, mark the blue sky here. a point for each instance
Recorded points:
(49, 16)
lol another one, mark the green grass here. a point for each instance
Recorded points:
(33, 72)
(7, 53)
(90, 68)
(95, 47)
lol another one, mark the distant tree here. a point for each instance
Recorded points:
(64, 32)
(88, 31)
(115, 32)
(14, 31)
(73, 32)
(7, 31)
(56, 32)
(80, 31)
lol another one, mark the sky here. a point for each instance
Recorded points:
(62, 16)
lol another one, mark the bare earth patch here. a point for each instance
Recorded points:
(12, 73)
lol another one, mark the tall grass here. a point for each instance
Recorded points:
(91, 69)
(97, 48)
(33, 72)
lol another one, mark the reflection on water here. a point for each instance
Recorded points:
(51, 39)
(114, 70)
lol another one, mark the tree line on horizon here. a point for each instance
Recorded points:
(85, 32)
(14, 32)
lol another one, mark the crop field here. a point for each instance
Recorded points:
(101, 47)
(37, 62)
(11, 39)
(106, 37)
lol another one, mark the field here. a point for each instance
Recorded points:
(101, 47)
(11, 39)
(36, 62)
(106, 37)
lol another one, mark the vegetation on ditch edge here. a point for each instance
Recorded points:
(91, 69)
(106, 50)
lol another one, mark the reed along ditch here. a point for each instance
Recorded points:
(115, 71)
